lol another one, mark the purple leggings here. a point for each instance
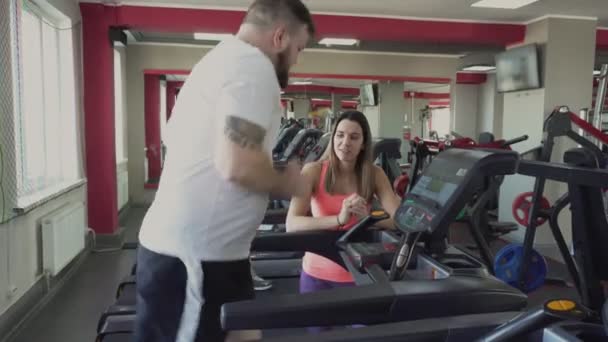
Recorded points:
(309, 283)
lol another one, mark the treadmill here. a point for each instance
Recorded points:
(416, 277)
(559, 320)
(404, 275)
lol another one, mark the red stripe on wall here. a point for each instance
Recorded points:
(439, 80)
(364, 28)
(422, 95)
(470, 78)
(369, 28)
(321, 89)
(178, 19)
(439, 103)
(327, 103)
(435, 80)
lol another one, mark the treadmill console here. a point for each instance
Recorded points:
(447, 185)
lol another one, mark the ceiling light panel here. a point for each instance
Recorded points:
(505, 4)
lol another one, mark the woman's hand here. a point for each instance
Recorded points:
(353, 205)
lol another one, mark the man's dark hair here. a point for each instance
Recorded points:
(267, 12)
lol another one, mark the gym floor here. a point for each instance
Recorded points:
(72, 314)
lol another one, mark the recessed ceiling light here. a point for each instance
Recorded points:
(211, 36)
(479, 68)
(507, 4)
(338, 41)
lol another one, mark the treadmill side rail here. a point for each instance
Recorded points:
(376, 303)
(343, 306)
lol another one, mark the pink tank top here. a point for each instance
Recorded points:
(325, 204)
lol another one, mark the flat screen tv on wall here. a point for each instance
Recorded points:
(518, 69)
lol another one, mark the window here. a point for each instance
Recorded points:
(118, 108)
(163, 109)
(163, 120)
(47, 152)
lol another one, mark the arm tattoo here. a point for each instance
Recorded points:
(244, 133)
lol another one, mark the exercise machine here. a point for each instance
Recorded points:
(558, 124)
(435, 279)
(441, 282)
(387, 152)
(286, 134)
(555, 320)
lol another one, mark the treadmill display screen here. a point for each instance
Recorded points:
(432, 193)
(446, 185)
(435, 189)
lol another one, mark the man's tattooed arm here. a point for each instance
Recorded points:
(244, 133)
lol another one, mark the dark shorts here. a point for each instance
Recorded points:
(161, 295)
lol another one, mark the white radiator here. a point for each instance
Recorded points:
(122, 182)
(63, 235)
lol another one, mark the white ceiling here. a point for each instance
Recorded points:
(441, 9)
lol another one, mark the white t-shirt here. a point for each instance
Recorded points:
(196, 214)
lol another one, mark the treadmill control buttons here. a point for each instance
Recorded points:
(415, 216)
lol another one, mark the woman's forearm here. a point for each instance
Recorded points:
(303, 223)
(386, 224)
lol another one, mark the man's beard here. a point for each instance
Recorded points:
(282, 70)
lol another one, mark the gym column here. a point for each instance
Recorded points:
(391, 112)
(301, 108)
(98, 69)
